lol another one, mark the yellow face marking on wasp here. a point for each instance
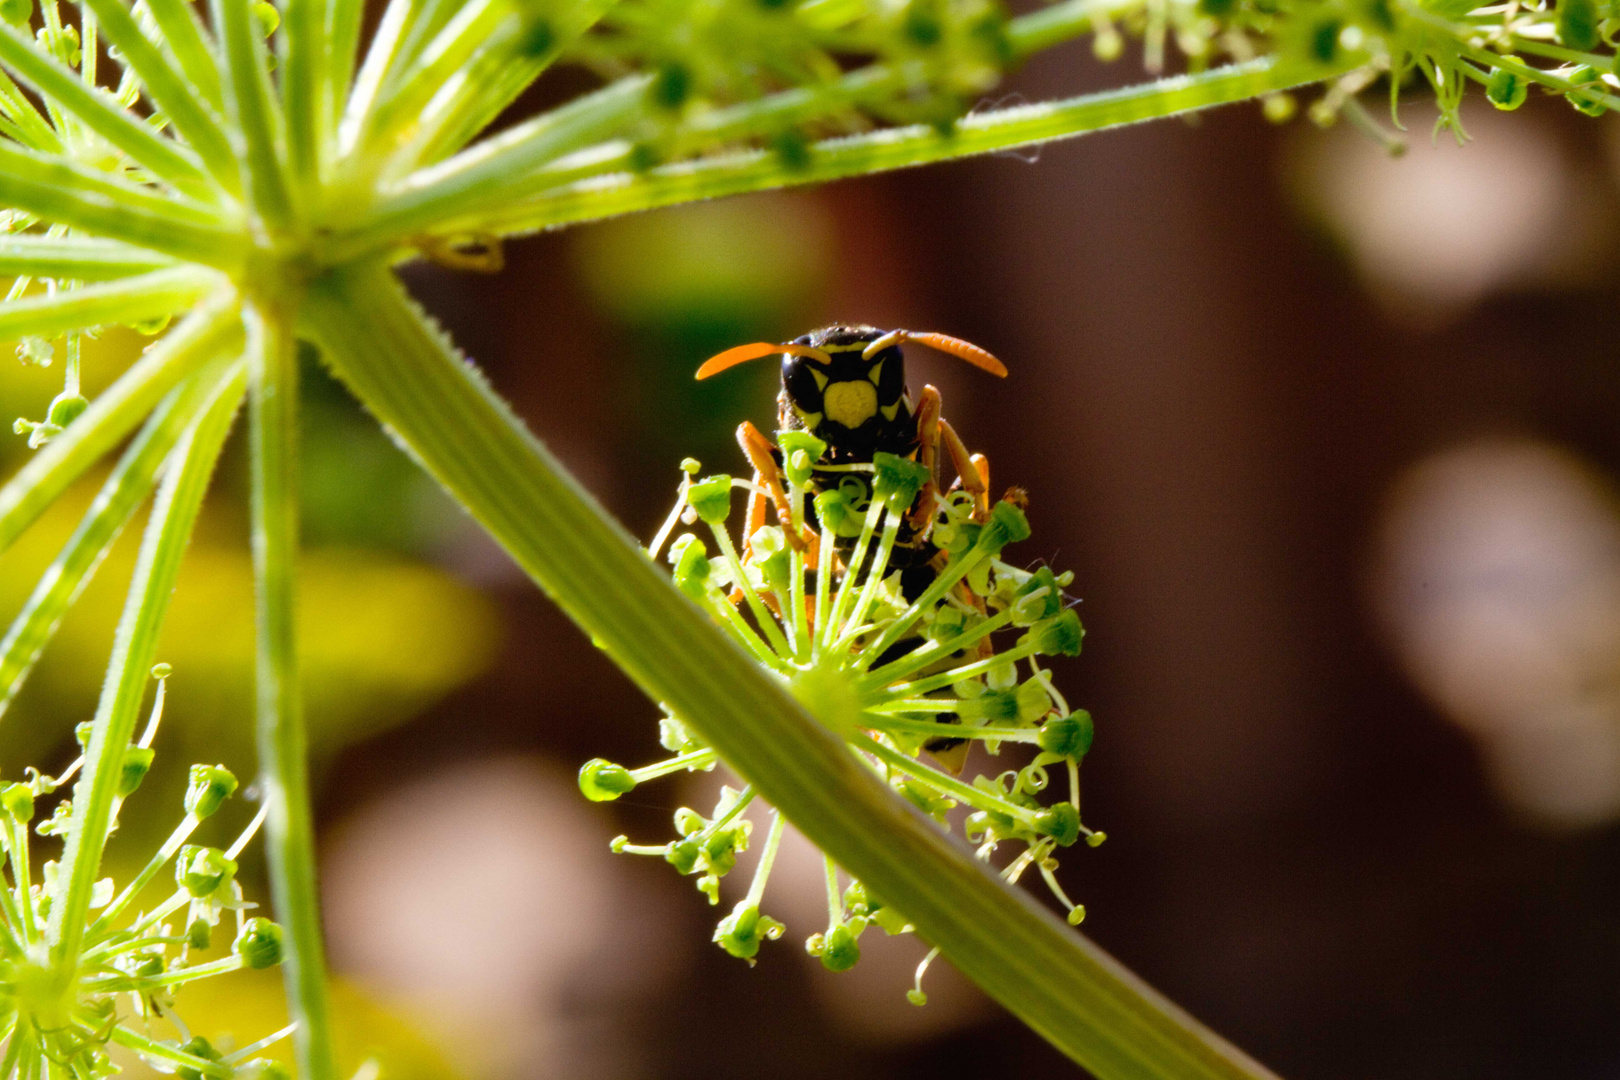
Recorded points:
(877, 372)
(821, 380)
(889, 410)
(850, 403)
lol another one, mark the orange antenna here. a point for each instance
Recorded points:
(962, 350)
(741, 354)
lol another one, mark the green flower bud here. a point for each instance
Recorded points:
(1057, 637)
(66, 408)
(1077, 915)
(197, 1047)
(17, 801)
(603, 781)
(1033, 701)
(684, 856)
(1038, 598)
(916, 997)
(898, 480)
(1587, 101)
(992, 706)
(772, 558)
(1578, 24)
(82, 733)
(17, 12)
(200, 934)
(840, 951)
(202, 870)
(259, 944)
(711, 498)
(162, 671)
(1068, 736)
(268, 17)
(137, 762)
(800, 452)
(691, 566)
(1007, 525)
(210, 786)
(1507, 90)
(835, 512)
(741, 932)
(688, 821)
(1061, 822)
(272, 1070)
(1095, 839)
(857, 901)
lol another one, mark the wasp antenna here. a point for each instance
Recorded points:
(962, 350)
(741, 354)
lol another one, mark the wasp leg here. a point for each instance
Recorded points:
(967, 470)
(928, 427)
(759, 452)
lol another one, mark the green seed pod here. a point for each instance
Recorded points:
(601, 780)
(1507, 90)
(17, 801)
(197, 1047)
(1057, 637)
(66, 408)
(210, 786)
(202, 870)
(259, 944)
(711, 498)
(1007, 525)
(800, 452)
(1578, 24)
(1068, 736)
(691, 572)
(741, 932)
(137, 762)
(200, 934)
(898, 480)
(840, 951)
(1061, 822)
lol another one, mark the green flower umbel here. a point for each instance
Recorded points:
(930, 644)
(57, 1024)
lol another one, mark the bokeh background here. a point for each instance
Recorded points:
(1330, 440)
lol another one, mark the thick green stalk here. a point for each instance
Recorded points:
(115, 303)
(169, 91)
(129, 670)
(898, 148)
(206, 333)
(1081, 999)
(76, 257)
(304, 89)
(62, 191)
(122, 493)
(92, 107)
(283, 746)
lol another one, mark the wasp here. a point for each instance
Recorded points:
(846, 385)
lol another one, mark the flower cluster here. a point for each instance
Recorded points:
(58, 1014)
(902, 627)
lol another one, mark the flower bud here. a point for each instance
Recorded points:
(834, 510)
(741, 932)
(800, 452)
(162, 671)
(691, 573)
(66, 408)
(200, 934)
(82, 733)
(1077, 915)
(840, 951)
(1056, 637)
(197, 1047)
(1033, 701)
(992, 706)
(202, 870)
(1007, 525)
(898, 480)
(259, 944)
(1038, 598)
(1061, 822)
(137, 762)
(210, 786)
(601, 780)
(1068, 736)
(684, 856)
(688, 821)
(1507, 90)
(17, 801)
(711, 498)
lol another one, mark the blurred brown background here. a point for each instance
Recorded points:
(1329, 440)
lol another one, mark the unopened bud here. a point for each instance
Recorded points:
(210, 786)
(601, 780)
(259, 944)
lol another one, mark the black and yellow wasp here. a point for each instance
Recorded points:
(846, 385)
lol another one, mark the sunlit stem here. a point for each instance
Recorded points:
(879, 568)
(167, 1052)
(744, 798)
(932, 652)
(846, 587)
(248, 833)
(283, 744)
(740, 629)
(180, 835)
(900, 725)
(762, 614)
(835, 903)
(697, 759)
(955, 571)
(966, 671)
(824, 563)
(21, 909)
(767, 858)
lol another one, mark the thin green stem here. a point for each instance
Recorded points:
(166, 1052)
(128, 671)
(253, 109)
(62, 191)
(767, 859)
(899, 725)
(343, 23)
(932, 652)
(157, 862)
(209, 331)
(697, 759)
(114, 303)
(79, 258)
(170, 91)
(963, 793)
(183, 34)
(903, 147)
(304, 89)
(283, 744)
(1064, 987)
(124, 490)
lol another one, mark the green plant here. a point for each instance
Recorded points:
(265, 187)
